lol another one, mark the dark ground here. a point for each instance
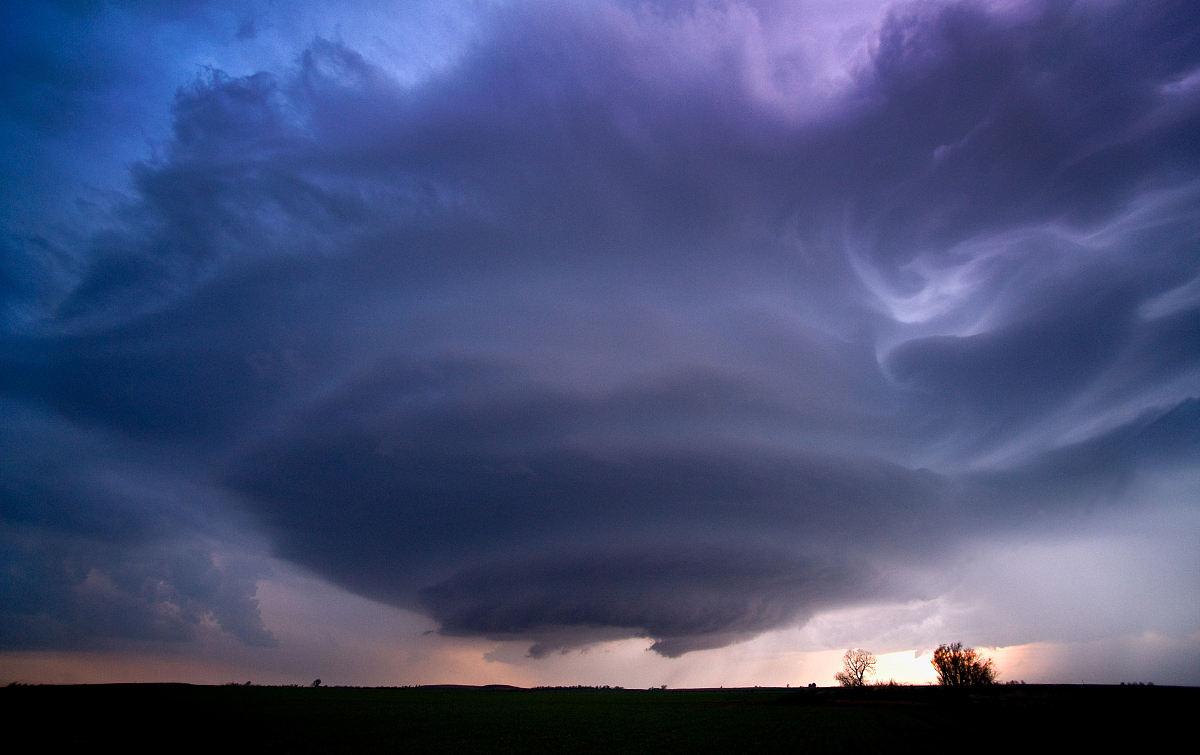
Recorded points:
(1017, 718)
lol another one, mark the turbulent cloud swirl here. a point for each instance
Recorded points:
(621, 320)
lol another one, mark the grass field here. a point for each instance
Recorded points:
(506, 720)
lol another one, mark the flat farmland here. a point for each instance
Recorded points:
(587, 720)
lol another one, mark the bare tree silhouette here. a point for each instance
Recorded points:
(856, 665)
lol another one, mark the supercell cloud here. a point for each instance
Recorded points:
(569, 322)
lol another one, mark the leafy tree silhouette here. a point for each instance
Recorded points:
(959, 667)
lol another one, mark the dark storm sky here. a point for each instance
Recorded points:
(573, 321)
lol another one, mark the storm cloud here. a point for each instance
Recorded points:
(651, 320)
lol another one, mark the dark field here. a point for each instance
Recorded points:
(470, 719)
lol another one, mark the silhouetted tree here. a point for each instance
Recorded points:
(958, 667)
(316, 683)
(856, 665)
